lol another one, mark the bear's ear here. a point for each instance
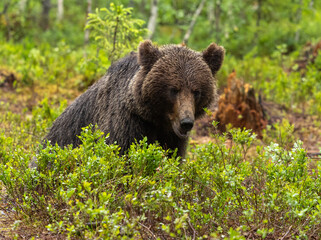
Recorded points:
(214, 56)
(148, 54)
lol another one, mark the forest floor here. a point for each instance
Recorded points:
(22, 100)
(307, 128)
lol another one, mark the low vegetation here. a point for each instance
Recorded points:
(231, 186)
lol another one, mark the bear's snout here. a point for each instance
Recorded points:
(187, 124)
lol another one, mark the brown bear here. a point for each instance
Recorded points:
(157, 92)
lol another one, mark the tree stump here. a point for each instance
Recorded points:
(7, 80)
(238, 106)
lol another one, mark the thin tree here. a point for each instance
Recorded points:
(46, 6)
(22, 5)
(210, 15)
(192, 24)
(298, 20)
(87, 31)
(4, 12)
(258, 19)
(153, 18)
(217, 14)
(60, 10)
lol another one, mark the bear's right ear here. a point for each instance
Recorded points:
(148, 54)
(214, 56)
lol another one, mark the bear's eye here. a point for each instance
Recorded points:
(174, 92)
(197, 94)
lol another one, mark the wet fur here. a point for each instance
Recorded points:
(133, 99)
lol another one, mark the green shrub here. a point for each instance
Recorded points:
(42, 64)
(115, 33)
(281, 133)
(221, 190)
(277, 81)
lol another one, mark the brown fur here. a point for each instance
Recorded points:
(157, 93)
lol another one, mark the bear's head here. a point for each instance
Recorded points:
(175, 84)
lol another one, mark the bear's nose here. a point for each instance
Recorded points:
(187, 124)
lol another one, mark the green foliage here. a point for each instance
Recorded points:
(115, 31)
(241, 26)
(243, 30)
(281, 133)
(217, 191)
(25, 130)
(54, 56)
(223, 189)
(44, 63)
(276, 78)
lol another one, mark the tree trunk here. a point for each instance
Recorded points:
(298, 20)
(60, 10)
(153, 18)
(191, 26)
(142, 7)
(131, 4)
(7, 19)
(87, 31)
(210, 16)
(46, 6)
(22, 5)
(258, 18)
(217, 13)
(89, 4)
(259, 7)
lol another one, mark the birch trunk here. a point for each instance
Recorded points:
(153, 18)
(298, 20)
(89, 4)
(217, 13)
(258, 19)
(60, 8)
(22, 5)
(191, 26)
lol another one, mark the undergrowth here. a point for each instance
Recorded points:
(235, 187)
(223, 189)
(278, 79)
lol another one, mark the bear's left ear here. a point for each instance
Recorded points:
(214, 56)
(148, 54)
